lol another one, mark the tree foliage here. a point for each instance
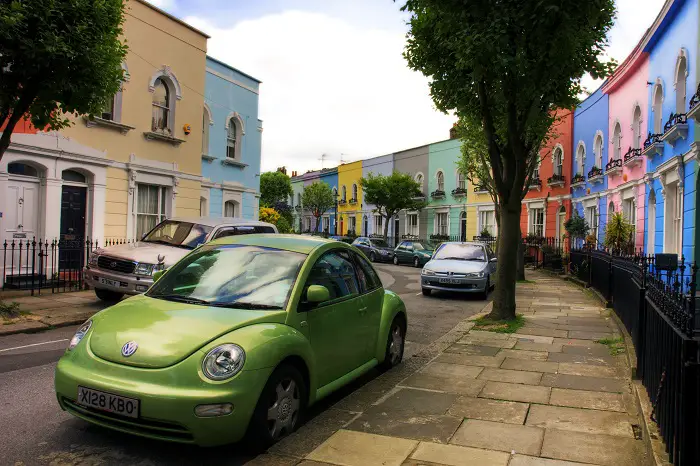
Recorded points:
(576, 226)
(318, 197)
(391, 194)
(619, 234)
(274, 187)
(58, 58)
(507, 66)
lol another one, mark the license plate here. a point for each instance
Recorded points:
(105, 281)
(448, 280)
(103, 401)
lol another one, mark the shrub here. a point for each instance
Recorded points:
(9, 310)
(618, 233)
(576, 226)
(269, 215)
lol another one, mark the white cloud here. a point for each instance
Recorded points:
(163, 4)
(329, 87)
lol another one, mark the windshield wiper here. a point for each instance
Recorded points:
(244, 305)
(180, 299)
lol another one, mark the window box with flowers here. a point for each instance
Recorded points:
(675, 128)
(342, 202)
(535, 183)
(353, 201)
(653, 145)
(556, 180)
(578, 180)
(595, 175)
(438, 194)
(459, 192)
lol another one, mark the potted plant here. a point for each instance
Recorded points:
(618, 234)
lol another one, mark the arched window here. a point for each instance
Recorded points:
(419, 180)
(354, 192)
(681, 75)
(344, 192)
(440, 181)
(598, 151)
(234, 136)
(637, 128)
(335, 193)
(74, 176)
(23, 169)
(160, 119)
(558, 161)
(611, 210)
(657, 108)
(580, 158)
(231, 134)
(206, 121)
(536, 171)
(617, 142)
(461, 181)
(231, 209)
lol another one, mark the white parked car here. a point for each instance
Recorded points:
(128, 268)
(462, 267)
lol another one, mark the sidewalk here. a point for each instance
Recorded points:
(549, 395)
(49, 310)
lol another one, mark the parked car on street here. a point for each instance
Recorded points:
(377, 249)
(241, 335)
(417, 253)
(128, 268)
(463, 267)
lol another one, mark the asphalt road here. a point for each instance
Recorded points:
(34, 431)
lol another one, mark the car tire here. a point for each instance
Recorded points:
(395, 344)
(108, 295)
(395, 260)
(485, 295)
(372, 257)
(264, 431)
(416, 262)
(426, 291)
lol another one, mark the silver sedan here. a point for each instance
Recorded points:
(460, 267)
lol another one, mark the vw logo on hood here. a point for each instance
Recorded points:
(129, 348)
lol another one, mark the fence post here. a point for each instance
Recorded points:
(641, 325)
(609, 297)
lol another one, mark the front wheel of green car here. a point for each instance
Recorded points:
(395, 344)
(280, 408)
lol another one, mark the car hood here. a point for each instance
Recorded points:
(166, 332)
(141, 251)
(455, 266)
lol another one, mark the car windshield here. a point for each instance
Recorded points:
(422, 247)
(464, 252)
(183, 234)
(234, 275)
(380, 243)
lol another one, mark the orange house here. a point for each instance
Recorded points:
(547, 204)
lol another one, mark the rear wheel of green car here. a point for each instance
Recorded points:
(280, 408)
(394, 344)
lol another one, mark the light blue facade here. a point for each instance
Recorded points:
(591, 125)
(382, 165)
(330, 177)
(231, 176)
(674, 44)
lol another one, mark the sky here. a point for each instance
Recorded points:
(334, 82)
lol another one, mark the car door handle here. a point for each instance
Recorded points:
(363, 310)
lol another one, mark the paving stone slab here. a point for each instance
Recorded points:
(467, 340)
(505, 375)
(578, 382)
(469, 387)
(523, 337)
(470, 360)
(277, 460)
(455, 455)
(591, 350)
(530, 365)
(544, 332)
(582, 359)
(591, 335)
(510, 412)
(591, 448)
(474, 349)
(499, 436)
(580, 420)
(431, 428)
(590, 370)
(576, 342)
(456, 371)
(418, 402)
(587, 399)
(604, 328)
(488, 335)
(349, 448)
(515, 392)
(523, 354)
(524, 345)
(522, 460)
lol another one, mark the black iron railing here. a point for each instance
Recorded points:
(438, 193)
(353, 201)
(594, 172)
(695, 100)
(613, 164)
(675, 119)
(578, 178)
(652, 139)
(556, 179)
(459, 192)
(632, 154)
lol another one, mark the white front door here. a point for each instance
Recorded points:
(21, 225)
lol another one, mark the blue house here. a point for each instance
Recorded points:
(588, 183)
(670, 148)
(330, 177)
(231, 143)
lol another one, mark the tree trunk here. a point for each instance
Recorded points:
(386, 228)
(508, 245)
(521, 258)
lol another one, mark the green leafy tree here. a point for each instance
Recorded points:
(507, 65)
(275, 187)
(58, 58)
(619, 234)
(391, 194)
(318, 197)
(576, 226)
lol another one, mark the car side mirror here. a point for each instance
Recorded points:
(494, 259)
(157, 275)
(317, 294)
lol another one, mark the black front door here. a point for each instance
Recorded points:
(72, 239)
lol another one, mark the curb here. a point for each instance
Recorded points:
(67, 323)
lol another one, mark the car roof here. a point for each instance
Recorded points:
(294, 243)
(216, 221)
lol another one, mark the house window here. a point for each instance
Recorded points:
(611, 210)
(231, 209)
(681, 72)
(617, 142)
(536, 171)
(231, 133)
(160, 119)
(378, 224)
(657, 108)
(673, 217)
(637, 128)
(326, 224)
(441, 226)
(537, 221)
(598, 151)
(440, 181)
(335, 193)
(344, 195)
(150, 207)
(206, 119)
(354, 192)
(419, 180)
(353, 224)
(16, 168)
(487, 221)
(412, 223)
(461, 181)
(73, 176)
(203, 211)
(108, 111)
(592, 220)
(651, 225)
(580, 157)
(558, 161)
(629, 210)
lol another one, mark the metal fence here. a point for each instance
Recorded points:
(54, 266)
(656, 302)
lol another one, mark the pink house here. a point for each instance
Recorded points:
(627, 126)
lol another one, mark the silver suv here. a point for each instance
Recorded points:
(128, 268)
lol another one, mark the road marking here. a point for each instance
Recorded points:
(34, 344)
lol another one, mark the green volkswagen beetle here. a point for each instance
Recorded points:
(239, 337)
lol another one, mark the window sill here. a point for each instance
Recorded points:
(151, 136)
(208, 158)
(653, 149)
(233, 163)
(97, 121)
(678, 131)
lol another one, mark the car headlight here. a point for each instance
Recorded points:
(475, 275)
(80, 334)
(223, 362)
(427, 272)
(93, 259)
(143, 268)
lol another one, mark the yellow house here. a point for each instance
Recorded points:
(350, 199)
(150, 137)
(480, 212)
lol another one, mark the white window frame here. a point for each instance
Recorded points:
(483, 218)
(558, 160)
(680, 81)
(419, 178)
(591, 213)
(461, 180)
(657, 106)
(235, 206)
(354, 192)
(536, 227)
(235, 119)
(162, 213)
(343, 196)
(442, 228)
(580, 159)
(637, 132)
(617, 141)
(598, 147)
(411, 229)
(378, 224)
(651, 222)
(440, 177)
